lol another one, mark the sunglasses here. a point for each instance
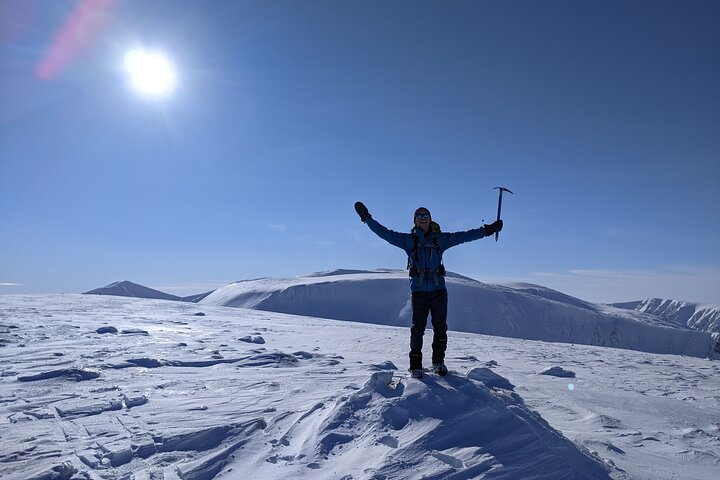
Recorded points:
(422, 215)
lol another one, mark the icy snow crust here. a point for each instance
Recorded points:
(516, 310)
(168, 393)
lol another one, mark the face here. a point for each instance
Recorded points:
(422, 220)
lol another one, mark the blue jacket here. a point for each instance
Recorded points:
(428, 258)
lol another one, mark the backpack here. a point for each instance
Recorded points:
(412, 268)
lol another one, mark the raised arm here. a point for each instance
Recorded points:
(400, 240)
(456, 238)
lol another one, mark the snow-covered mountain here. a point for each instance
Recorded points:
(134, 290)
(130, 289)
(705, 318)
(108, 388)
(517, 310)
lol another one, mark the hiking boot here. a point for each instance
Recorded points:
(439, 369)
(417, 373)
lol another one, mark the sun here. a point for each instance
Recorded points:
(151, 73)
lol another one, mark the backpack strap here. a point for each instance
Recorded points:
(441, 268)
(411, 265)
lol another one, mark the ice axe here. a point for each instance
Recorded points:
(500, 204)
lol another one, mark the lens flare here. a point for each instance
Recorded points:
(79, 32)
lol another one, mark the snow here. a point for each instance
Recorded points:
(516, 310)
(695, 316)
(192, 398)
(130, 289)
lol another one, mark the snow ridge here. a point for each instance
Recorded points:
(518, 310)
(704, 318)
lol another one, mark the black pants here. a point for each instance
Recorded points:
(434, 303)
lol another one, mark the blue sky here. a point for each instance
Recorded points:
(602, 117)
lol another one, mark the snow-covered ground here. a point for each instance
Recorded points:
(108, 387)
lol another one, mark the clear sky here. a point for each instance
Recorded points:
(602, 117)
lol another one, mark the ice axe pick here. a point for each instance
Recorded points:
(501, 189)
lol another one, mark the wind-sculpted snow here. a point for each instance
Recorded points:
(447, 428)
(74, 374)
(518, 311)
(321, 399)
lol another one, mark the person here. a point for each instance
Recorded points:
(424, 246)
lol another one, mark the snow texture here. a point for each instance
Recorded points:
(324, 399)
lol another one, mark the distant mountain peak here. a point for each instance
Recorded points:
(126, 288)
(123, 284)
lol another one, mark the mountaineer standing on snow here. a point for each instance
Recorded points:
(424, 246)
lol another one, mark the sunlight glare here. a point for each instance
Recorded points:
(150, 73)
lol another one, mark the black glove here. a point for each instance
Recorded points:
(362, 211)
(493, 227)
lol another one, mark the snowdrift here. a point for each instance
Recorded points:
(517, 310)
(441, 428)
